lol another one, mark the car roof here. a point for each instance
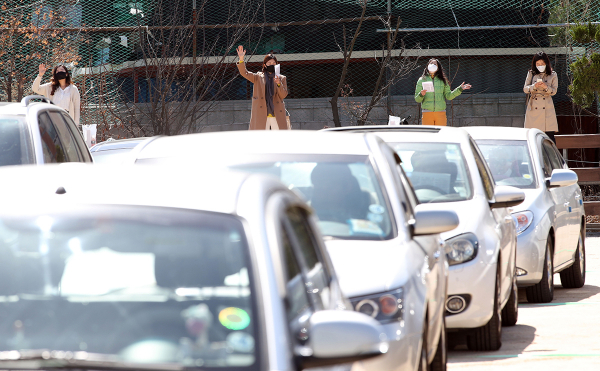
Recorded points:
(17, 108)
(117, 144)
(120, 185)
(259, 141)
(411, 133)
(500, 132)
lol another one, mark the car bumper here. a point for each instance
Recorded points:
(402, 354)
(531, 248)
(477, 279)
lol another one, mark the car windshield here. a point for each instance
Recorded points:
(112, 156)
(15, 147)
(343, 190)
(146, 285)
(510, 162)
(437, 171)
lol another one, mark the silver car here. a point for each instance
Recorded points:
(39, 133)
(114, 151)
(368, 215)
(551, 221)
(167, 273)
(448, 172)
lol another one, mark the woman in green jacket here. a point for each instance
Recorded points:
(433, 88)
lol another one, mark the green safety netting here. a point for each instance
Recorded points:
(159, 66)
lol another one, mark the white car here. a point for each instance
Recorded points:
(39, 133)
(168, 273)
(387, 254)
(448, 172)
(551, 221)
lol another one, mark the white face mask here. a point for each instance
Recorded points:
(432, 67)
(541, 68)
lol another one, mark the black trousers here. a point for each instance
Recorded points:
(551, 135)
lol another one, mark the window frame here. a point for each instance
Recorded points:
(479, 159)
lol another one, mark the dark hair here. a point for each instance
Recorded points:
(440, 74)
(54, 82)
(541, 56)
(268, 57)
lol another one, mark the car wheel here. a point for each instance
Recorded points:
(441, 353)
(574, 276)
(510, 312)
(543, 291)
(489, 337)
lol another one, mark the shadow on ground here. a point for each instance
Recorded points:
(515, 340)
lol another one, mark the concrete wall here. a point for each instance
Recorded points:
(314, 113)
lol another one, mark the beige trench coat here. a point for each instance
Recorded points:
(258, 117)
(540, 112)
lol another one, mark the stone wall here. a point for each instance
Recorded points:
(315, 113)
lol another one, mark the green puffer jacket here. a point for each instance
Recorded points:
(435, 101)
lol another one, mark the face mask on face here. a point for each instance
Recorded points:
(61, 75)
(541, 68)
(432, 67)
(270, 69)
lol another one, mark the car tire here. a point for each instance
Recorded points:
(510, 312)
(489, 337)
(441, 353)
(543, 291)
(574, 276)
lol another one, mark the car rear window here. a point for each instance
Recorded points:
(15, 143)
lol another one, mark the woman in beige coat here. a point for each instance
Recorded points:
(541, 85)
(60, 90)
(268, 108)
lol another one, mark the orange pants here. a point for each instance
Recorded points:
(434, 118)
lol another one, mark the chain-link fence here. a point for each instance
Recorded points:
(147, 67)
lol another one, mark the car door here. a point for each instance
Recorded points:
(563, 198)
(71, 127)
(505, 223)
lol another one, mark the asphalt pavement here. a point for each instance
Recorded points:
(562, 335)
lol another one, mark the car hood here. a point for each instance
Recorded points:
(372, 267)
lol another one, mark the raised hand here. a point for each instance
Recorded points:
(423, 92)
(277, 80)
(241, 52)
(42, 69)
(465, 86)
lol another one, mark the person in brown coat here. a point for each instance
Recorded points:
(541, 85)
(268, 108)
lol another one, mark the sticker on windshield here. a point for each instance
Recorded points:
(240, 342)
(361, 226)
(376, 209)
(234, 318)
(526, 176)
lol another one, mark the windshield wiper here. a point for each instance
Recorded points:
(43, 359)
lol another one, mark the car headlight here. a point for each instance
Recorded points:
(523, 220)
(385, 307)
(462, 248)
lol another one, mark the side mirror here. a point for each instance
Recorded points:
(505, 196)
(434, 221)
(336, 337)
(562, 178)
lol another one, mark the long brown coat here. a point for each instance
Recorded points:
(258, 117)
(540, 112)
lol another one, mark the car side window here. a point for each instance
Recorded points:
(486, 178)
(552, 155)
(66, 136)
(52, 146)
(78, 137)
(297, 297)
(317, 277)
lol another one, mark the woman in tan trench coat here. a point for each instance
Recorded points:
(541, 85)
(268, 108)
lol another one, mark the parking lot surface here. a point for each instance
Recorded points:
(561, 335)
